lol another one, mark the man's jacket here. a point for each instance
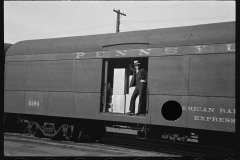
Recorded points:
(141, 75)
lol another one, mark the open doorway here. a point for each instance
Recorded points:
(117, 79)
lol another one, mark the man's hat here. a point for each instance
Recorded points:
(136, 62)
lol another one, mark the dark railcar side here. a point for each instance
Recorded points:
(64, 77)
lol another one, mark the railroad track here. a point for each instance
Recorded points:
(168, 147)
(163, 146)
(86, 146)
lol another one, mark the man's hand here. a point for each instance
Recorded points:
(142, 81)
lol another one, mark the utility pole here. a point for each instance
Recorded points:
(118, 19)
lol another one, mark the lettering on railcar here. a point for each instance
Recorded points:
(171, 50)
(167, 50)
(211, 110)
(121, 53)
(223, 110)
(100, 54)
(199, 109)
(145, 51)
(80, 54)
(214, 119)
(229, 47)
(199, 48)
(33, 103)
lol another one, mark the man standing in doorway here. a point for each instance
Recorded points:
(139, 80)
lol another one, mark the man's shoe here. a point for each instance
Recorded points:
(130, 113)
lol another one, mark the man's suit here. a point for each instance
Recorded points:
(140, 90)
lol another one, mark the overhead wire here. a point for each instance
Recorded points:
(63, 32)
(109, 35)
(129, 26)
(112, 29)
(177, 20)
(126, 24)
(165, 6)
(123, 22)
(51, 20)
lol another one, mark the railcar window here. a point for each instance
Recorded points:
(117, 88)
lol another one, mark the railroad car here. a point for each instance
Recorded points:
(60, 86)
(6, 47)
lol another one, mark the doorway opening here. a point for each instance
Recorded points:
(116, 84)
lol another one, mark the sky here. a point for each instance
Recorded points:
(25, 20)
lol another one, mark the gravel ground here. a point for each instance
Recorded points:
(31, 146)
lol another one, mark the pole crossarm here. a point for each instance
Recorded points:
(118, 11)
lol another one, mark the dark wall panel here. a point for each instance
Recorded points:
(38, 75)
(15, 75)
(61, 104)
(88, 77)
(168, 74)
(87, 105)
(14, 101)
(62, 75)
(213, 73)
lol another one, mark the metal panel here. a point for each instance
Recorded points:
(62, 75)
(19, 58)
(198, 34)
(63, 45)
(39, 46)
(14, 101)
(61, 104)
(38, 75)
(93, 42)
(87, 105)
(213, 73)
(211, 113)
(43, 57)
(88, 77)
(15, 75)
(36, 102)
(168, 74)
(166, 37)
(31, 46)
(128, 38)
(19, 48)
(89, 43)
(155, 110)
